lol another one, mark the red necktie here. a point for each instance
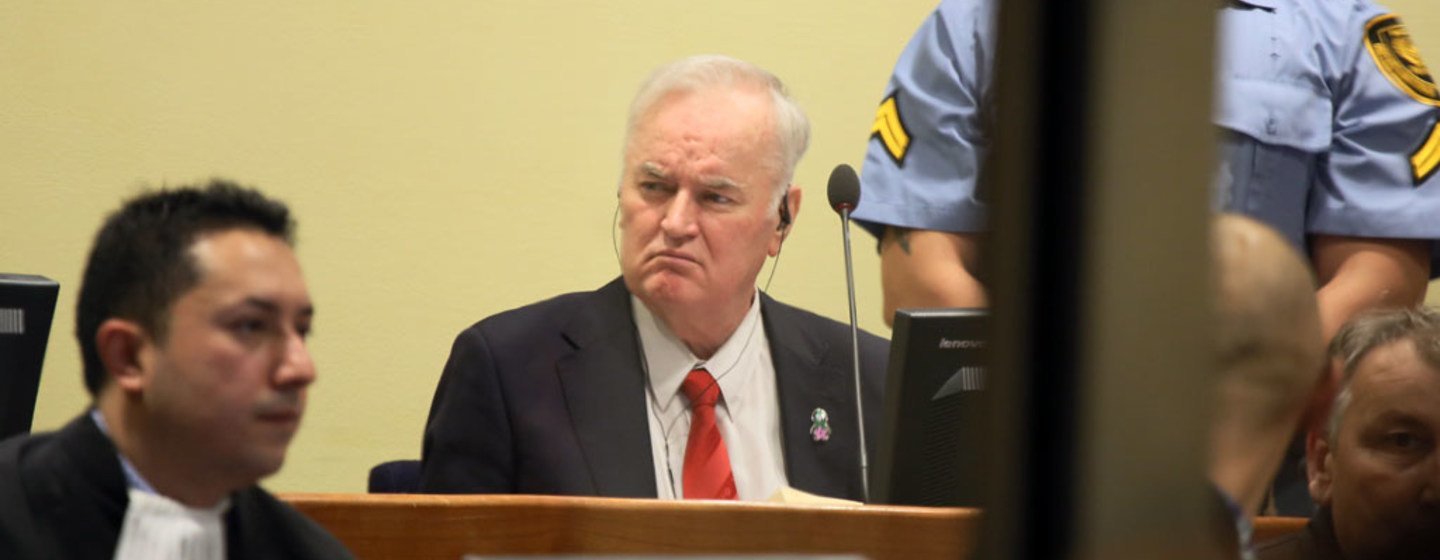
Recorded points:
(707, 464)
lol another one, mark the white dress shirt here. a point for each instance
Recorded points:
(158, 528)
(748, 413)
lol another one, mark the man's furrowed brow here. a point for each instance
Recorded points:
(262, 303)
(653, 170)
(720, 183)
(1401, 418)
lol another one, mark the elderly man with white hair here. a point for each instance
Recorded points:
(680, 379)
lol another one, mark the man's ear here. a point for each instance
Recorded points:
(1319, 466)
(122, 347)
(791, 209)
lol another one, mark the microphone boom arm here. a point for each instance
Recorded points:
(844, 193)
(855, 355)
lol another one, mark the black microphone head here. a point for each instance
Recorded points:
(844, 188)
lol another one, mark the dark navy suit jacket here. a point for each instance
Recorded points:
(550, 399)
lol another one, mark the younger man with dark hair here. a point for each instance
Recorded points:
(192, 319)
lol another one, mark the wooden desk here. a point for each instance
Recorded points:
(404, 526)
(1267, 528)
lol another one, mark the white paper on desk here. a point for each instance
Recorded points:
(788, 495)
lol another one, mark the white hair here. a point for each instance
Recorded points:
(702, 72)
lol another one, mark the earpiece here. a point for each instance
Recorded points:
(784, 223)
(784, 211)
(615, 221)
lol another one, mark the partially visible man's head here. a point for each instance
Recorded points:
(1269, 353)
(710, 153)
(1377, 465)
(192, 319)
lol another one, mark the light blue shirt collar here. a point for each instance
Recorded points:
(132, 476)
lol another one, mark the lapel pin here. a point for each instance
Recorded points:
(820, 425)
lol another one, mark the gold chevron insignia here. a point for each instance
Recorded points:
(1398, 58)
(1427, 157)
(890, 129)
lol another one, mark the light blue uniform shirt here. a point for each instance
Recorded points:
(132, 476)
(928, 140)
(1328, 123)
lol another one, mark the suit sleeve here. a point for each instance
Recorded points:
(261, 526)
(20, 537)
(468, 442)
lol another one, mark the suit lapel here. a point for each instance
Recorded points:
(78, 488)
(808, 378)
(604, 389)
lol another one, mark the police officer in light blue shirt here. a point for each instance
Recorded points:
(923, 164)
(1329, 133)
(921, 168)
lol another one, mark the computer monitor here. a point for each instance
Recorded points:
(932, 441)
(27, 305)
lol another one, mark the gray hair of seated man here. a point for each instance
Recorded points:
(1374, 329)
(703, 72)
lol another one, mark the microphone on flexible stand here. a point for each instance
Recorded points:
(844, 191)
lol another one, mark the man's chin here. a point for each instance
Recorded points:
(265, 464)
(266, 456)
(664, 289)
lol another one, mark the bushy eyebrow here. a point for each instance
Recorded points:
(1391, 418)
(653, 170)
(269, 306)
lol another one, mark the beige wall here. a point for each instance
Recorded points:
(447, 160)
